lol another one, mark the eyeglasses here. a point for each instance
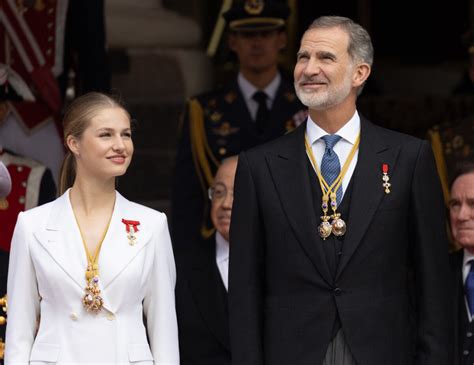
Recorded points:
(217, 192)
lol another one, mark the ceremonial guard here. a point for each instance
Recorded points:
(32, 35)
(258, 105)
(31, 185)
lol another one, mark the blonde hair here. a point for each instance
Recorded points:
(76, 119)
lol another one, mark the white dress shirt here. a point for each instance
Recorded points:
(248, 89)
(466, 267)
(342, 148)
(222, 258)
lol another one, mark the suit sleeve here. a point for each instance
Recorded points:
(187, 196)
(431, 265)
(246, 271)
(159, 303)
(23, 298)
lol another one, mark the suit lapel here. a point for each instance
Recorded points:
(367, 190)
(62, 240)
(459, 307)
(288, 167)
(116, 252)
(209, 292)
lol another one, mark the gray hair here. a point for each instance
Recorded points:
(464, 167)
(360, 46)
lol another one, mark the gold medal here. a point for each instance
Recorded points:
(324, 229)
(338, 226)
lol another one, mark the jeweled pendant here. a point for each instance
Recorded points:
(338, 227)
(92, 300)
(324, 229)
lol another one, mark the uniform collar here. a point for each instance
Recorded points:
(466, 258)
(248, 89)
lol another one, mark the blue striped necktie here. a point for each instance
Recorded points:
(469, 288)
(330, 165)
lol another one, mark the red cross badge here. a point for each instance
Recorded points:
(385, 178)
(131, 227)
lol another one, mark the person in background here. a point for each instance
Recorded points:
(461, 214)
(257, 105)
(202, 281)
(87, 269)
(24, 184)
(338, 251)
(43, 43)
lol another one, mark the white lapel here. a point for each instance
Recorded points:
(116, 252)
(62, 240)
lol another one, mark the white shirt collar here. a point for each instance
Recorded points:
(248, 89)
(349, 131)
(222, 248)
(466, 258)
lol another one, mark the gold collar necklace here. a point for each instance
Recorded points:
(337, 226)
(92, 300)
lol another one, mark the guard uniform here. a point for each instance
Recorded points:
(31, 57)
(32, 185)
(219, 124)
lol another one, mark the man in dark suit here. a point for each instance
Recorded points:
(201, 286)
(338, 254)
(258, 105)
(461, 213)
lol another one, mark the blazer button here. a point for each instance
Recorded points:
(469, 334)
(337, 291)
(465, 352)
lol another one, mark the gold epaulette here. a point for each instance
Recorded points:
(437, 147)
(3, 321)
(202, 157)
(202, 153)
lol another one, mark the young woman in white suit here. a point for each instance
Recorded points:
(92, 275)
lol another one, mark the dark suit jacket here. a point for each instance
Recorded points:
(283, 300)
(461, 321)
(228, 130)
(201, 307)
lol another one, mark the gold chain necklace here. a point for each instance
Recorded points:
(337, 226)
(92, 300)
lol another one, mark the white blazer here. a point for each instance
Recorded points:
(47, 322)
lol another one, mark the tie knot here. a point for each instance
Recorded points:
(331, 140)
(260, 97)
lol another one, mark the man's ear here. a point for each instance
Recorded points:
(361, 74)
